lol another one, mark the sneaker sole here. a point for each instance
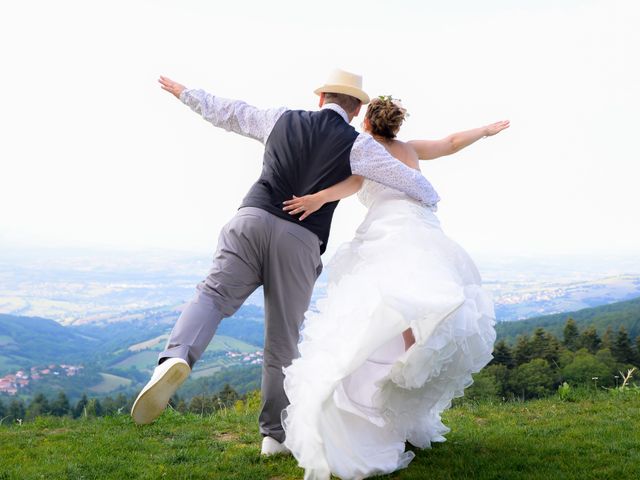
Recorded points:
(271, 454)
(151, 402)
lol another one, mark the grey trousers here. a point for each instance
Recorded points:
(255, 248)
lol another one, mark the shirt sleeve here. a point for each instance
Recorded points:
(233, 115)
(371, 160)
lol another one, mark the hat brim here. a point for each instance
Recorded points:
(346, 89)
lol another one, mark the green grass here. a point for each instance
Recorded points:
(596, 436)
(109, 383)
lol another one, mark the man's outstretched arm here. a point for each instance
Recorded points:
(232, 115)
(371, 160)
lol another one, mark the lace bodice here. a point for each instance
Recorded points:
(374, 192)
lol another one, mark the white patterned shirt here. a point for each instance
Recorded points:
(367, 158)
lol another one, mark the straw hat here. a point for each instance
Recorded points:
(348, 83)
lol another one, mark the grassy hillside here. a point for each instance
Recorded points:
(616, 314)
(595, 436)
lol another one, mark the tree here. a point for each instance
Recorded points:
(202, 405)
(502, 355)
(112, 406)
(94, 408)
(584, 367)
(108, 405)
(182, 406)
(604, 355)
(571, 335)
(544, 345)
(3, 410)
(522, 352)
(533, 379)
(590, 340)
(122, 403)
(566, 357)
(16, 410)
(484, 385)
(607, 338)
(79, 409)
(60, 406)
(621, 348)
(226, 397)
(38, 407)
(501, 375)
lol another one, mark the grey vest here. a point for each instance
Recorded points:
(306, 152)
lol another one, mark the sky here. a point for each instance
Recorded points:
(95, 154)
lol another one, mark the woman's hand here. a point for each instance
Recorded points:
(307, 204)
(310, 203)
(497, 127)
(430, 149)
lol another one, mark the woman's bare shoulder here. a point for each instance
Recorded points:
(405, 153)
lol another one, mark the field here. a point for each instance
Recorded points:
(110, 383)
(205, 372)
(144, 355)
(594, 436)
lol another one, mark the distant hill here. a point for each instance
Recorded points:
(120, 356)
(625, 313)
(29, 341)
(26, 341)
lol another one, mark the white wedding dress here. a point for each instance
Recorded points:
(356, 395)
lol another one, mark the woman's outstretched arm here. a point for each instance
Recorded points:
(430, 149)
(310, 203)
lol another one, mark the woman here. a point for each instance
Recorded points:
(404, 324)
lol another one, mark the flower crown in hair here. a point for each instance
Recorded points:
(396, 101)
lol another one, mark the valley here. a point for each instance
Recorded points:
(111, 315)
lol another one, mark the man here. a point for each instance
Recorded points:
(305, 152)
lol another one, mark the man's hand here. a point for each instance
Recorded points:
(170, 86)
(307, 204)
(496, 128)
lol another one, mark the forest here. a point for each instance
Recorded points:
(539, 363)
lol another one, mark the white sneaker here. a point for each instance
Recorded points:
(155, 396)
(270, 446)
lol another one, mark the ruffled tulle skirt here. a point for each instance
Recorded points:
(356, 396)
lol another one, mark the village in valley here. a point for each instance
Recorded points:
(247, 358)
(11, 383)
